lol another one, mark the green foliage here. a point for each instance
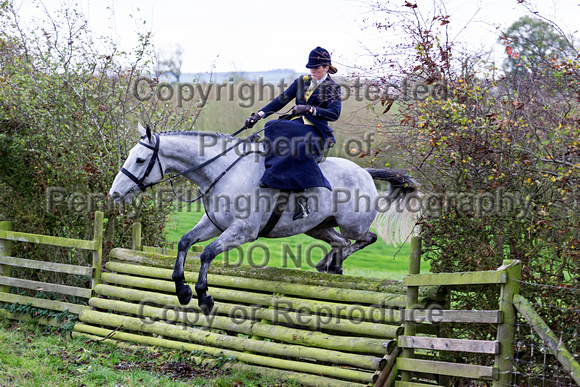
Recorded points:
(498, 159)
(504, 170)
(64, 319)
(67, 118)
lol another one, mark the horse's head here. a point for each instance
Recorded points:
(139, 171)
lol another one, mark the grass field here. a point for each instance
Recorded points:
(31, 355)
(303, 252)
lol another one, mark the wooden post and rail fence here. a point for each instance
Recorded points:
(412, 368)
(318, 329)
(7, 237)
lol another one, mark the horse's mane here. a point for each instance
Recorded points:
(194, 133)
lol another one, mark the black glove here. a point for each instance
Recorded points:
(254, 137)
(302, 110)
(251, 120)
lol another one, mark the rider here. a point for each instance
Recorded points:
(296, 142)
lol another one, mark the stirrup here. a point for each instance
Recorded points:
(302, 209)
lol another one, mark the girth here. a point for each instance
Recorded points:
(279, 208)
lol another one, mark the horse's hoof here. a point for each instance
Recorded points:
(206, 305)
(335, 270)
(322, 267)
(184, 295)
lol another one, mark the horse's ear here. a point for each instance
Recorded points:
(148, 132)
(142, 130)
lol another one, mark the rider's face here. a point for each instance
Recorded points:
(319, 72)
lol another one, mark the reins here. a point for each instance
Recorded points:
(213, 183)
(155, 157)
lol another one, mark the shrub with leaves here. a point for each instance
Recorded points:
(498, 159)
(68, 116)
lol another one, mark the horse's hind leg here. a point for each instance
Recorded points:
(361, 243)
(202, 231)
(332, 262)
(341, 248)
(368, 239)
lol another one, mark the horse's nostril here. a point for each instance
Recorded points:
(116, 196)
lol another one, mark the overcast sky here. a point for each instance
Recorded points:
(253, 35)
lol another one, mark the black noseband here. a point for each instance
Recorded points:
(154, 158)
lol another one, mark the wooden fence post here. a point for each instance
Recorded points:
(555, 344)
(412, 301)
(5, 250)
(98, 252)
(506, 330)
(136, 237)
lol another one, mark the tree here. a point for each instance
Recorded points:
(169, 61)
(532, 45)
(498, 159)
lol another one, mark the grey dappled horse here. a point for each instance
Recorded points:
(351, 206)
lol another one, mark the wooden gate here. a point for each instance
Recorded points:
(417, 371)
(7, 237)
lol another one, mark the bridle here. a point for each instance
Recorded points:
(150, 166)
(155, 158)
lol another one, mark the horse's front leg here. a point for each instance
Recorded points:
(236, 235)
(202, 231)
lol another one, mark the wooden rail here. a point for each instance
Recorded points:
(314, 326)
(553, 343)
(7, 237)
(413, 369)
(137, 244)
(47, 240)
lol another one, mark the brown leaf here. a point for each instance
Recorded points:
(388, 106)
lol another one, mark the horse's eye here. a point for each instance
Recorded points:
(140, 160)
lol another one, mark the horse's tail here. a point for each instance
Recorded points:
(398, 208)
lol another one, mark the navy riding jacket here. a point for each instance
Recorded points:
(325, 98)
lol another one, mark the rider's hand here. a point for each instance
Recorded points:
(251, 120)
(302, 110)
(254, 137)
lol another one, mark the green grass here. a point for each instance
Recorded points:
(303, 252)
(32, 356)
